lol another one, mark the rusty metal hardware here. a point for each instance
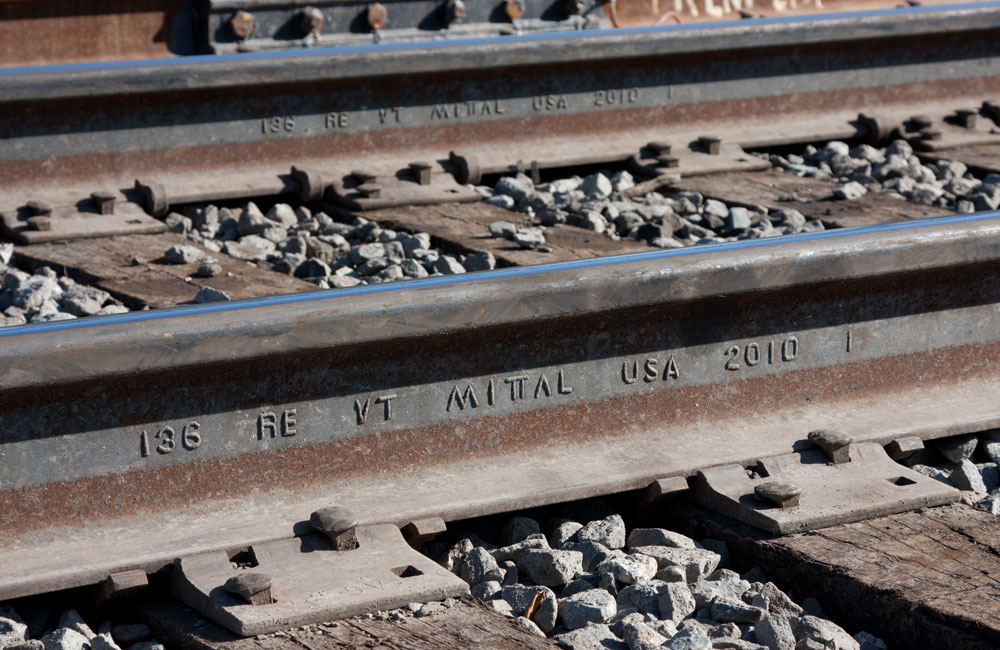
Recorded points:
(393, 190)
(901, 448)
(376, 15)
(514, 8)
(966, 118)
(710, 144)
(454, 11)
(101, 216)
(303, 580)
(242, 24)
(125, 583)
(338, 524)
(273, 395)
(423, 530)
(835, 444)
(802, 491)
(310, 20)
(421, 172)
(663, 488)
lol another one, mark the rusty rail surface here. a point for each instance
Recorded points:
(131, 440)
(230, 126)
(38, 32)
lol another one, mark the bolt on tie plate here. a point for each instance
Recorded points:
(711, 144)
(421, 170)
(835, 444)
(241, 25)
(784, 495)
(338, 524)
(104, 200)
(253, 587)
(309, 21)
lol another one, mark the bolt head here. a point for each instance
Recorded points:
(39, 208)
(514, 8)
(248, 584)
(574, 7)
(310, 21)
(242, 24)
(333, 520)
(785, 495)
(829, 439)
(377, 15)
(454, 11)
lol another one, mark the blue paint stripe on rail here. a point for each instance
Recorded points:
(509, 273)
(70, 68)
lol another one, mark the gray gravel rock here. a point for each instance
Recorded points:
(592, 637)
(34, 291)
(562, 533)
(644, 597)
(956, 448)
(697, 563)
(482, 261)
(251, 248)
(529, 238)
(517, 529)
(707, 590)
(629, 570)
(502, 201)
(597, 185)
(479, 566)
(593, 553)
(726, 610)
(691, 638)
(775, 633)
(989, 503)
(550, 567)
(519, 188)
(827, 633)
(283, 215)
(675, 602)
(313, 268)
(737, 219)
(486, 590)
(966, 476)
(502, 229)
(177, 223)
(251, 221)
(609, 532)
(210, 270)
(515, 551)
(103, 642)
(81, 300)
(71, 619)
(210, 294)
(12, 630)
(529, 626)
(65, 638)
(850, 191)
(126, 634)
(447, 265)
(779, 602)
(591, 606)
(658, 537)
(870, 642)
(639, 636)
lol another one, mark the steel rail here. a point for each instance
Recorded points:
(198, 125)
(128, 441)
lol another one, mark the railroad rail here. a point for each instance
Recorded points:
(133, 440)
(190, 436)
(149, 135)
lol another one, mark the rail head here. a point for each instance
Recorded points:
(39, 83)
(185, 337)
